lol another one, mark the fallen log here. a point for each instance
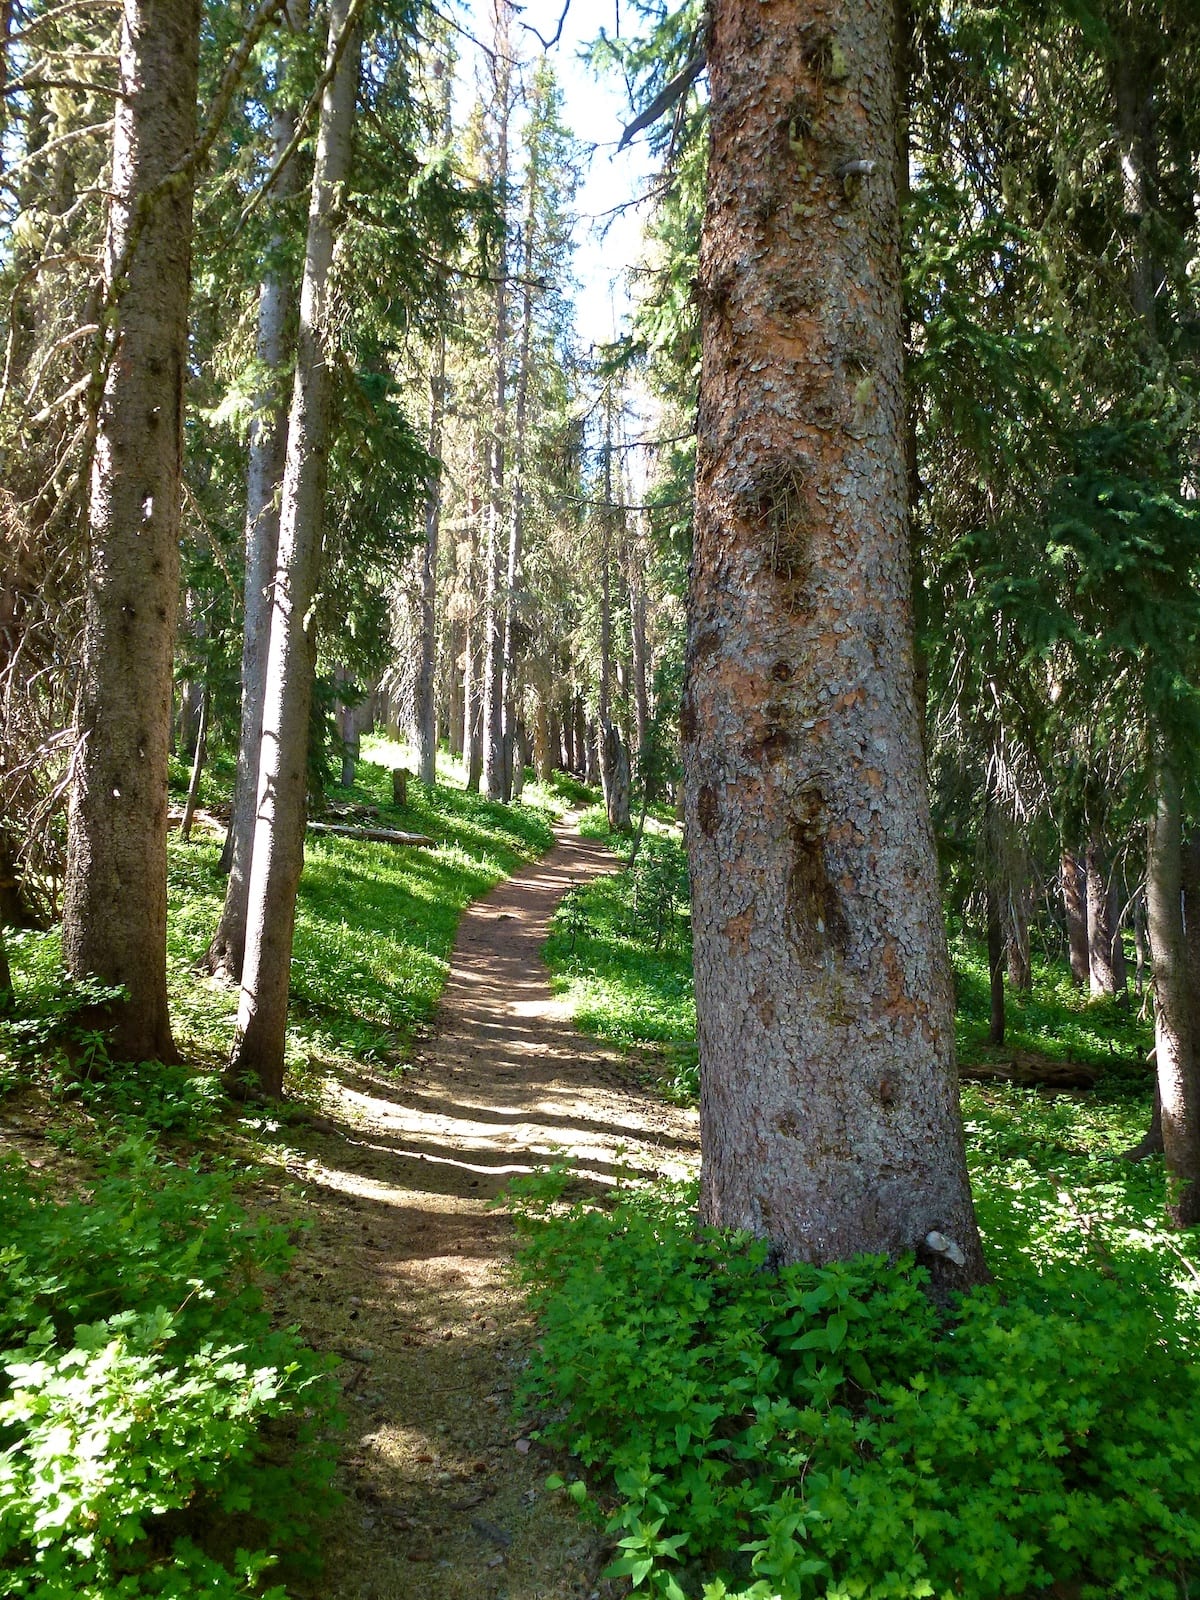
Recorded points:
(419, 841)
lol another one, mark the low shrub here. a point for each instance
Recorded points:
(828, 1432)
(157, 1435)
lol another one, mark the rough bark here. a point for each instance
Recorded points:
(1178, 1085)
(264, 475)
(278, 852)
(455, 728)
(1074, 894)
(115, 909)
(829, 1115)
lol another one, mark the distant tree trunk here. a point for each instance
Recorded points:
(829, 1116)
(7, 998)
(198, 760)
(115, 910)
(495, 605)
(455, 687)
(1178, 1079)
(641, 675)
(1106, 958)
(1074, 894)
(278, 853)
(264, 475)
(995, 950)
(427, 666)
(1141, 943)
(473, 700)
(1016, 931)
(543, 740)
(592, 755)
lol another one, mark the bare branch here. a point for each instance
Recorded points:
(666, 97)
(547, 44)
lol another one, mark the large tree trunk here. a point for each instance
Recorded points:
(115, 911)
(829, 1114)
(1106, 957)
(1178, 1085)
(278, 853)
(264, 475)
(1074, 894)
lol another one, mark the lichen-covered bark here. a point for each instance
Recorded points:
(115, 905)
(829, 1109)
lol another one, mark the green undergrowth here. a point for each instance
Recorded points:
(1055, 1020)
(624, 957)
(160, 1433)
(829, 1433)
(375, 922)
(620, 946)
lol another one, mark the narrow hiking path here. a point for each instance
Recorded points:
(406, 1276)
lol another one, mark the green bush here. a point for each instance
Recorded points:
(150, 1415)
(827, 1432)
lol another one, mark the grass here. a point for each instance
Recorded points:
(375, 922)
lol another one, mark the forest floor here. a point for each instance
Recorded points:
(406, 1272)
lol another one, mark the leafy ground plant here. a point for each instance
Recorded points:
(158, 1436)
(827, 1432)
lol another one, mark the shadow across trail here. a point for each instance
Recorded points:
(409, 1276)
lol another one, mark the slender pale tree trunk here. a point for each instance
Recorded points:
(494, 609)
(264, 477)
(198, 759)
(278, 853)
(427, 666)
(1074, 894)
(115, 911)
(1178, 1086)
(640, 664)
(516, 530)
(829, 1115)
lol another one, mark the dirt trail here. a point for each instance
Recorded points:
(406, 1276)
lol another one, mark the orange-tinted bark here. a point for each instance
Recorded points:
(829, 1100)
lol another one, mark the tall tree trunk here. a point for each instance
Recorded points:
(829, 1115)
(115, 912)
(493, 672)
(516, 530)
(278, 853)
(427, 665)
(641, 673)
(7, 998)
(264, 476)
(1106, 958)
(1074, 893)
(1178, 1085)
